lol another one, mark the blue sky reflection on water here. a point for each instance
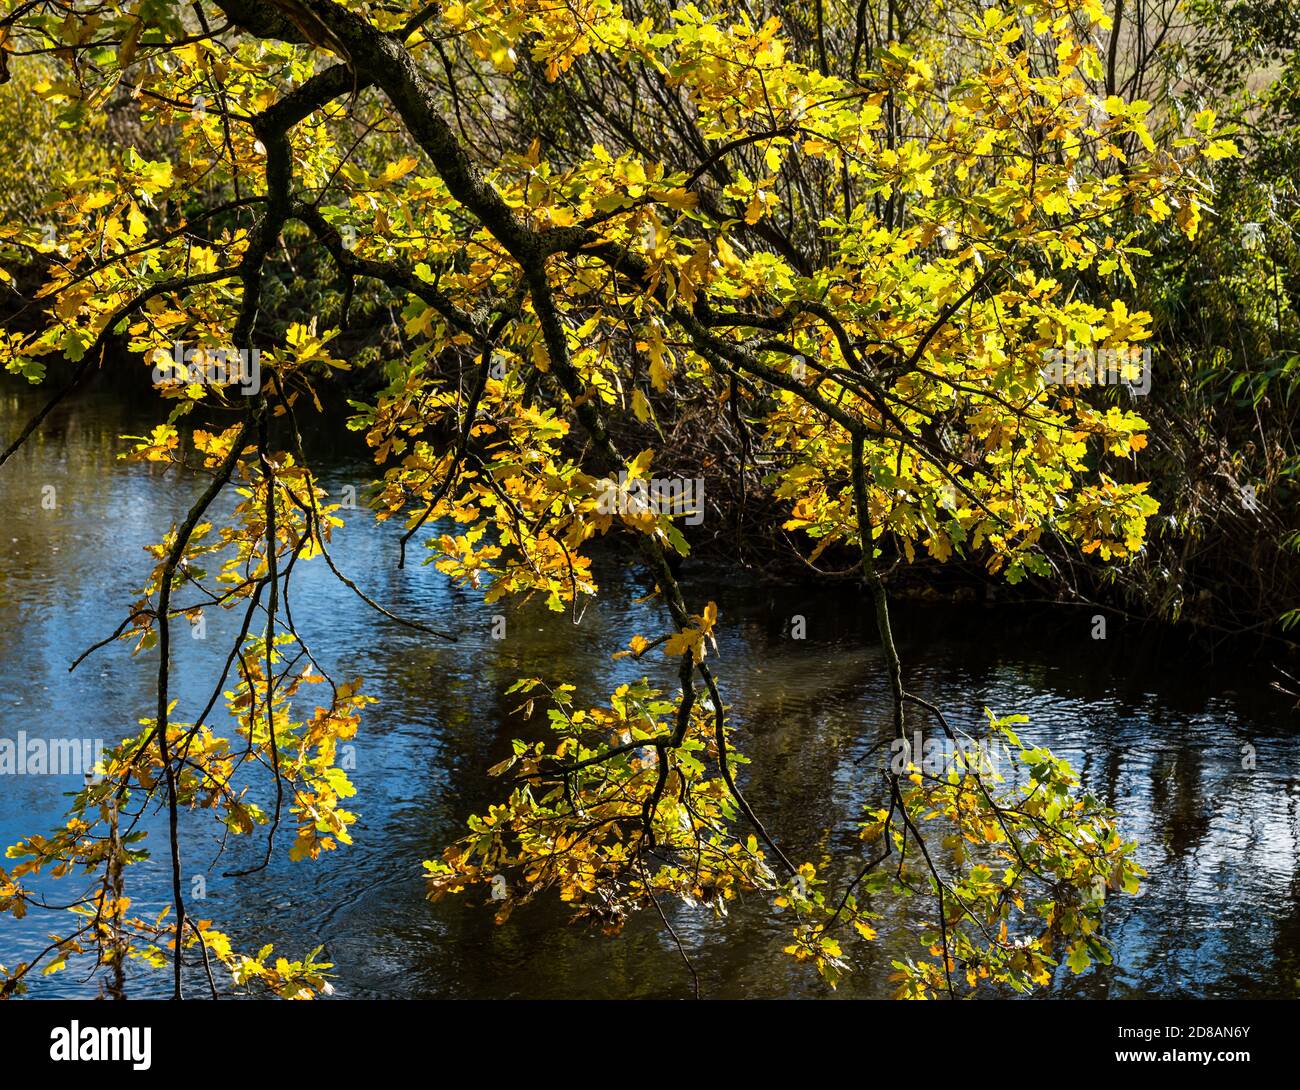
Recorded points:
(1156, 736)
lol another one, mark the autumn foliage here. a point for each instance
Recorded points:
(865, 270)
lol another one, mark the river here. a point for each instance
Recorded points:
(1154, 730)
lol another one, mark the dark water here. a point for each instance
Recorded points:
(1154, 732)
